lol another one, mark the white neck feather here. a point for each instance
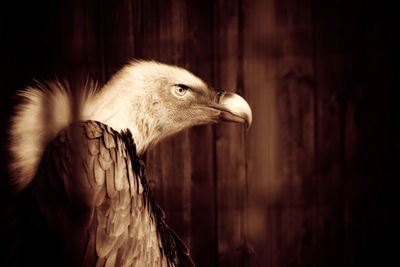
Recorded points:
(121, 105)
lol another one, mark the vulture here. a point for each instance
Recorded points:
(75, 160)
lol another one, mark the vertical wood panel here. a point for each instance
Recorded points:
(334, 54)
(119, 34)
(146, 31)
(199, 60)
(260, 65)
(83, 38)
(231, 184)
(295, 207)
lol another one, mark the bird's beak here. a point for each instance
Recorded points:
(233, 108)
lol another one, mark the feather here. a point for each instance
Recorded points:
(90, 252)
(120, 173)
(124, 197)
(127, 252)
(111, 192)
(131, 177)
(93, 145)
(100, 197)
(110, 262)
(100, 262)
(84, 181)
(104, 242)
(102, 215)
(88, 164)
(108, 140)
(92, 131)
(113, 154)
(99, 171)
(105, 159)
(110, 222)
(139, 185)
(120, 222)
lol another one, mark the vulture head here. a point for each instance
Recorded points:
(156, 100)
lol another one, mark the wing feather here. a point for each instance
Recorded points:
(108, 140)
(105, 159)
(100, 197)
(110, 262)
(101, 262)
(92, 130)
(111, 192)
(93, 145)
(92, 189)
(120, 173)
(104, 241)
(99, 172)
(125, 199)
(131, 178)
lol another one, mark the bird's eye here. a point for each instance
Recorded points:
(179, 90)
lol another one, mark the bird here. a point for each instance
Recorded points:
(76, 161)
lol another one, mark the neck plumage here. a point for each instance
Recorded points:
(48, 108)
(121, 105)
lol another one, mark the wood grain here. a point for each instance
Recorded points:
(231, 183)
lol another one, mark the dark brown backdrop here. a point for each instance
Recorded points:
(312, 183)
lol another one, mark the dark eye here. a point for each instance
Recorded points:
(179, 90)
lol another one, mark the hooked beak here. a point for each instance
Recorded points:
(233, 108)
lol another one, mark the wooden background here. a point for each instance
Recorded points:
(314, 182)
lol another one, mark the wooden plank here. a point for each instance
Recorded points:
(199, 60)
(334, 54)
(279, 85)
(146, 29)
(259, 70)
(230, 140)
(82, 36)
(293, 211)
(118, 34)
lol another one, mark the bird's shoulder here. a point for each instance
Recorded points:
(98, 160)
(92, 171)
(90, 182)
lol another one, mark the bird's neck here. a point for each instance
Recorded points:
(122, 109)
